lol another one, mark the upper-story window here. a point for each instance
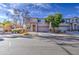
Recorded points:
(39, 20)
(63, 21)
(77, 21)
(67, 20)
(72, 20)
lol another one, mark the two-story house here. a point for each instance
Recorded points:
(70, 24)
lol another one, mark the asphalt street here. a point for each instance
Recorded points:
(35, 45)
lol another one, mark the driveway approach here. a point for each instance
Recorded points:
(32, 46)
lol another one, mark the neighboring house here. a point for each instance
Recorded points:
(70, 24)
(38, 25)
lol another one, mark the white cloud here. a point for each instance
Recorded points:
(40, 6)
(30, 7)
(11, 11)
(14, 5)
(3, 5)
(43, 5)
(1, 16)
(3, 8)
(71, 15)
(77, 8)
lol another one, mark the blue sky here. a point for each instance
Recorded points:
(40, 10)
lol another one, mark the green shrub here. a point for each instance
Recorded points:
(15, 31)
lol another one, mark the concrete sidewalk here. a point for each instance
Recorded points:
(51, 34)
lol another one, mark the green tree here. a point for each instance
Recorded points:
(54, 20)
(49, 19)
(57, 20)
(6, 22)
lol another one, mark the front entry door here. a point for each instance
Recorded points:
(34, 28)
